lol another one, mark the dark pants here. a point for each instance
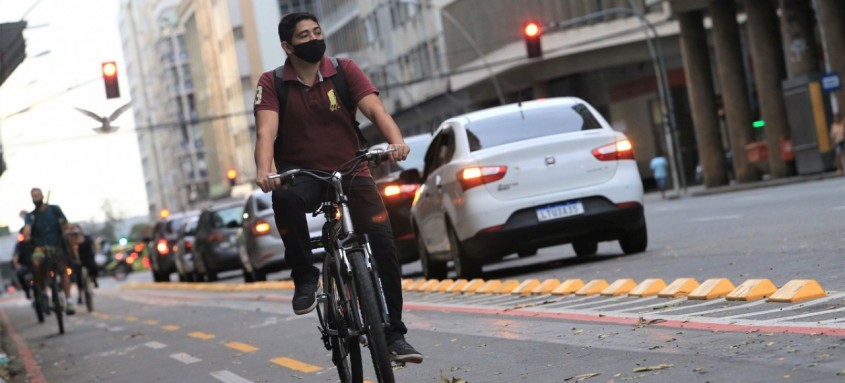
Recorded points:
(304, 194)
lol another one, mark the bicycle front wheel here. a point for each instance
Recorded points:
(372, 324)
(346, 350)
(58, 308)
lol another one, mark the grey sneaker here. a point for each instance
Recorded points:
(70, 309)
(305, 297)
(401, 351)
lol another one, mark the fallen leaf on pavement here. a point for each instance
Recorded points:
(582, 377)
(653, 368)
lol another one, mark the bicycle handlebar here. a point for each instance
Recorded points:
(372, 155)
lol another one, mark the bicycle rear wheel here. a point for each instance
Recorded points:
(57, 303)
(371, 317)
(36, 303)
(346, 350)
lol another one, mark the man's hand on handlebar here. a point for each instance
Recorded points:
(400, 152)
(266, 183)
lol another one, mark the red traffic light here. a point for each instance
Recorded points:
(110, 79)
(532, 29)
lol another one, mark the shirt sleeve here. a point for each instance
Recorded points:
(27, 219)
(265, 93)
(359, 84)
(60, 215)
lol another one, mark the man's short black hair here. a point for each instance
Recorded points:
(288, 24)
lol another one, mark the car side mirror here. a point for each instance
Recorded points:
(410, 176)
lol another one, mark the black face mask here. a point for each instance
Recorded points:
(38, 203)
(311, 51)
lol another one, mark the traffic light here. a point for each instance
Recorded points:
(110, 79)
(532, 33)
(232, 176)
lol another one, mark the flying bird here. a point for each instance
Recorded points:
(107, 127)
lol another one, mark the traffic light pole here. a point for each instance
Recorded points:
(478, 51)
(664, 92)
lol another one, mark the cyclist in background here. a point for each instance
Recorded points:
(83, 249)
(44, 226)
(22, 261)
(314, 129)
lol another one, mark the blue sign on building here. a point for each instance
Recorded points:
(831, 82)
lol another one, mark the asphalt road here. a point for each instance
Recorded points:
(789, 232)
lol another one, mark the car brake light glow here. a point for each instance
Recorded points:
(188, 245)
(162, 248)
(261, 228)
(400, 191)
(619, 150)
(475, 176)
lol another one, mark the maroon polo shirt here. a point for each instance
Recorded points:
(316, 130)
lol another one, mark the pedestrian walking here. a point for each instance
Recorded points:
(659, 169)
(837, 135)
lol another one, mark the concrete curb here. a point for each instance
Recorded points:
(698, 191)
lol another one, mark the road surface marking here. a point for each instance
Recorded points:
(185, 358)
(170, 327)
(242, 347)
(267, 322)
(716, 218)
(151, 322)
(227, 376)
(115, 329)
(202, 335)
(294, 364)
(155, 345)
(131, 319)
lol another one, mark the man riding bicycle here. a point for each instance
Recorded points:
(22, 261)
(44, 226)
(314, 128)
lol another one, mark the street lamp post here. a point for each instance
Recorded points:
(664, 92)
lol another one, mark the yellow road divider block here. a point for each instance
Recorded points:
(547, 286)
(151, 322)
(170, 327)
(407, 283)
(294, 364)
(647, 288)
(619, 287)
(508, 286)
(681, 287)
(569, 286)
(457, 286)
(242, 347)
(473, 286)
(526, 287)
(202, 335)
(428, 285)
(489, 287)
(711, 289)
(592, 287)
(798, 290)
(444, 285)
(131, 318)
(751, 290)
(414, 286)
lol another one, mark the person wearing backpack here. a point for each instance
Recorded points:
(45, 227)
(305, 118)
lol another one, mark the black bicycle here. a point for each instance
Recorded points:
(54, 283)
(352, 310)
(85, 285)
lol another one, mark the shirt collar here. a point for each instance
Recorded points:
(326, 70)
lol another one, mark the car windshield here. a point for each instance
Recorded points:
(228, 217)
(530, 123)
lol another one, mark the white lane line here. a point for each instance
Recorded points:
(155, 345)
(806, 315)
(794, 306)
(185, 358)
(716, 218)
(227, 376)
(115, 329)
(729, 308)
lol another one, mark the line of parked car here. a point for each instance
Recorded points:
(504, 180)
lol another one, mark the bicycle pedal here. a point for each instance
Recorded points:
(322, 297)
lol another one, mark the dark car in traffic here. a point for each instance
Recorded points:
(160, 247)
(215, 246)
(398, 191)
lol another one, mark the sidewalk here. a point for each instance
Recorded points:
(700, 190)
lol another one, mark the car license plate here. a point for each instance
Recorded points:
(560, 211)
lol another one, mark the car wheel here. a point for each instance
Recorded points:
(523, 253)
(260, 275)
(464, 266)
(249, 276)
(160, 277)
(634, 241)
(431, 269)
(585, 248)
(183, 278)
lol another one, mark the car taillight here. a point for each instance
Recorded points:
(188, 246)
(475, 176)
(619, 150)
(261, 228)
(215, 237)
(162, 247)
(400, 191)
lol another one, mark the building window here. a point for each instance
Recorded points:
(238, 33)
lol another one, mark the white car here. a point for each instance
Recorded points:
(519, 177)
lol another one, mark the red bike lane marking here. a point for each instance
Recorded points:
(32, 370)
